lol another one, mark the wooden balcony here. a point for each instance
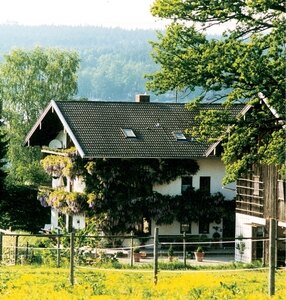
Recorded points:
(250, 200)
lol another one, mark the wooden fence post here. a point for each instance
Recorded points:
(132, 249)
(184, 249)
(72, 257)
(16, 249)
(58, 248)
(272, 256)
(156, 255)
(1, 247)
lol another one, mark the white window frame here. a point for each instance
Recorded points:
(179, 135)
(128, 132)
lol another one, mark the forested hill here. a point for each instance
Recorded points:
(75, 37)
(113, 60)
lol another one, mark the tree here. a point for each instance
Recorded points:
(247, 62)
(20, 210)
(29, 79)
(3, 150)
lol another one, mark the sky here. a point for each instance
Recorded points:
(129, 14)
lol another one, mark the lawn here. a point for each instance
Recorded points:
(28, 282)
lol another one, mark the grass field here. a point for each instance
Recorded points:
(28, 282)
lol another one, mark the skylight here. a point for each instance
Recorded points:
(179, 136)
(128, 133)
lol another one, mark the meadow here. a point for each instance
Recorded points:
(41, 283)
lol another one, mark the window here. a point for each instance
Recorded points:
(204, 226)
(128, 133)
(186, 227)
(256, 185)
(187, 182)
(281, 190)
(179, 136)
(205, 184)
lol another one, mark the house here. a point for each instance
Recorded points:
(261, 196)
(128, 131)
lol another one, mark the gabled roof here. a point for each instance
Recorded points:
(98, 129)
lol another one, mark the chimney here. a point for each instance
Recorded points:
(142, 98)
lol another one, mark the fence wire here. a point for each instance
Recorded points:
(54, 249)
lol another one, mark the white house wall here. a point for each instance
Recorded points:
(243, 228)
(171, 229)
(78, 221)
(174, 228)
(54, 218)
(212, 167)
(172, 188)
(78, 184)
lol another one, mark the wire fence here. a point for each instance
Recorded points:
(21, 248)
(81, 252)
(56, 249)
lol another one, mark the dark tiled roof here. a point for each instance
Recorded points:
(97, 127)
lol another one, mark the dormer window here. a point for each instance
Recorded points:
(179, 136)
(128, 132)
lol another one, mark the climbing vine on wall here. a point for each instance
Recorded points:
(119, 192)
(123, 190)
(65, 202)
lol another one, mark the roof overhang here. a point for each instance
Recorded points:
(38, 125)
(213, 147)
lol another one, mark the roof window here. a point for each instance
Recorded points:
(179, 136)
(128, 133)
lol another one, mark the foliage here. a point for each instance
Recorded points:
(67, 202)
(119, 193)
(118, 187)
(23, 282)
(200, 249)
(195, 204)
(247, 64)
(63, 164)
(240, 246)
(113, 61)
(170, 251)
(29, 80)
(16, 202)
(3, 150)
(16, 207)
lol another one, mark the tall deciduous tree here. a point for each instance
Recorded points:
(29, 79)
(247, 61)
(3, 150)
